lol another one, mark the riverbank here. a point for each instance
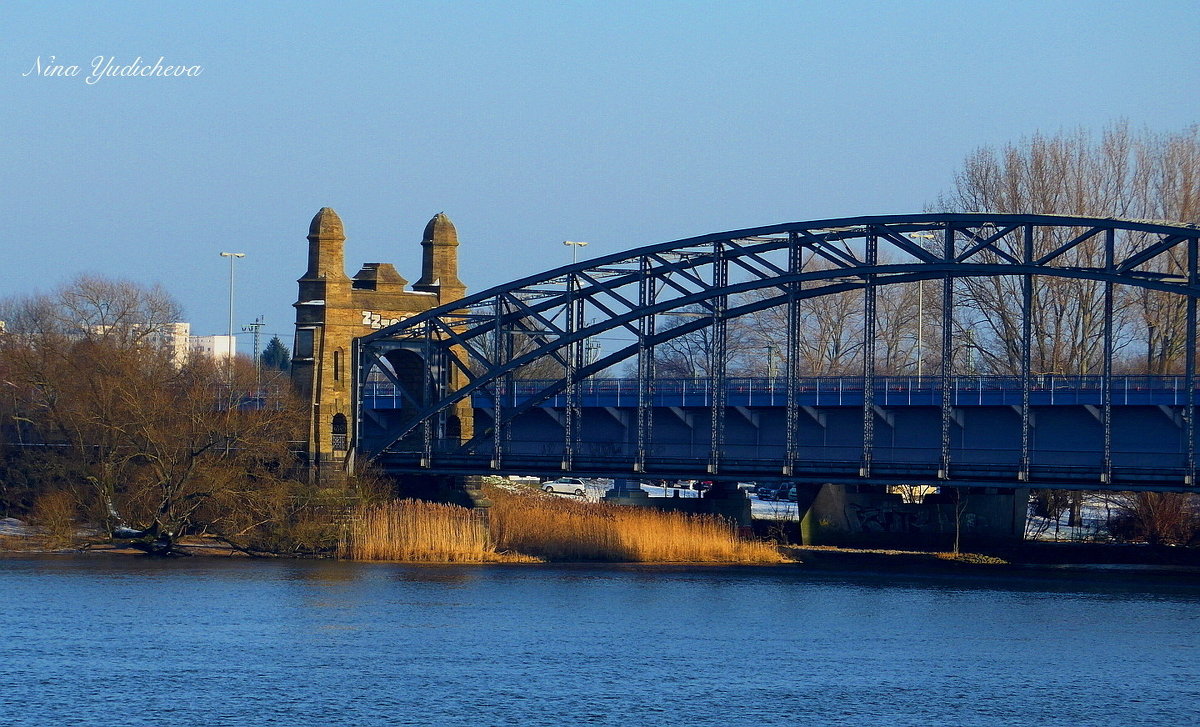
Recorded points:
(19, 538)
(825, 559)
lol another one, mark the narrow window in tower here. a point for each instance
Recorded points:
(337, 365)
(304, 343)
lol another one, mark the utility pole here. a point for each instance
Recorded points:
(255, 328)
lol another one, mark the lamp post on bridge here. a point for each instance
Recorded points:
(574, 245)
(921, 307)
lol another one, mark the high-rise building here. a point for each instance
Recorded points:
(220, 347)
(176, 338)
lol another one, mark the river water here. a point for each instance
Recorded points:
(129, 641)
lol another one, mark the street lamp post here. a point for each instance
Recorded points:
(574, 249)
(231, 256)
(920, 325)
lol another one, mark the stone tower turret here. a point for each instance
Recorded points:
(323, 285)
(326, 241)
(439, 260)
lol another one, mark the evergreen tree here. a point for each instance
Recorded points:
(276, 355)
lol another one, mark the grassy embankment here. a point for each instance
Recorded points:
(530, 526)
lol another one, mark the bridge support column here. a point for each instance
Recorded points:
(626, 492)
(731, 503)
(465, 491)
(870, 516)
(326, 470)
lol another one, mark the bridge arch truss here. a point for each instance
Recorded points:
(646, 297)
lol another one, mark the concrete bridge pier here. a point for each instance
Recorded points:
(465, 491)
(729, 501)
(871, 516)
(627, 492)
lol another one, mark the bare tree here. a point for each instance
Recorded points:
(692, 355)
(516, 343)
(114, 417)
(1119, 174)
(831, 329)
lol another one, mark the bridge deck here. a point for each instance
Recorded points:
(1147, 446)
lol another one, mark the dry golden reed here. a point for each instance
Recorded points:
(413, 531)
(528, 526)
(562, 529)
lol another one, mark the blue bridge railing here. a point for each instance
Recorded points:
(889, 391)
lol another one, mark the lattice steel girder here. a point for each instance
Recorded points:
(683, 269)
(536, 307)
(987, 243)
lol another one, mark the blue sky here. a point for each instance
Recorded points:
(621, 124)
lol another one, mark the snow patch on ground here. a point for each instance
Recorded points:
(16, 528)
(772, 510)
(1094, 517)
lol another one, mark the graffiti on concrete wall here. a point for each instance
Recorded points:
(905, 518)
(885, 519)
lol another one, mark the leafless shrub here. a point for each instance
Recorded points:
(1159, 518)
(56, 514)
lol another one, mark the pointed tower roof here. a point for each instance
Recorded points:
(439, 260)
(440, 231)
(326, 224)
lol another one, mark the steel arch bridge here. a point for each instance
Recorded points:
(491, 350)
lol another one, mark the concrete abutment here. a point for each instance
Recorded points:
(870, 516)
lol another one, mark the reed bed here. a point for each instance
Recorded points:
(413, 531)
(530, 526)
(562, 529)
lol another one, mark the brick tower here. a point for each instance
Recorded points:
(333, 309)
